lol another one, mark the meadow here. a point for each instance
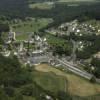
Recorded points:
(77, 86)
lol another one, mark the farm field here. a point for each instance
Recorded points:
(76, 85)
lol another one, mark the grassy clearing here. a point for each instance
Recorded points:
(41, 6)
(77, 85)
(22, 36)
(31, 26)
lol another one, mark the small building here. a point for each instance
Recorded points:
(97, 55)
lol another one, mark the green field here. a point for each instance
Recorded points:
(50, 82)
(76, 85)
(55, 81)
(42, 6)
(24, 29)
(44, 83)
(31, 26)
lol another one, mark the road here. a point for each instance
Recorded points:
(69, 66)
(77, 71)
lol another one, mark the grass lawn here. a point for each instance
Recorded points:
(22, 36)
(77, 85)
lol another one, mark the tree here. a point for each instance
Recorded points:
(10, 68)
(93, 80)
(64, 96)
(3, 96)
(3, 28)
(18, 96)
(12, 76)
(96, 63)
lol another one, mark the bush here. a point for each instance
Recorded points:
(27, 90)
(93, 80)
(9, 91)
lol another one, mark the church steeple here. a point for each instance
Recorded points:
(12, 35)
(11, 29)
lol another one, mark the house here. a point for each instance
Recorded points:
(97, 55)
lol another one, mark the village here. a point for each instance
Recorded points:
(50, 50)
(36, 50)
(30, 51)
